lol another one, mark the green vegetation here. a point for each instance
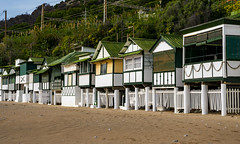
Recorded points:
(70, 29)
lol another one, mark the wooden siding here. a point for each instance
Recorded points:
(118, 66)
(164, 61)
(109, 66)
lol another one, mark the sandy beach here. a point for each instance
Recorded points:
(34, 123)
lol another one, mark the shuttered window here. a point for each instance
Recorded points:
(233, 47)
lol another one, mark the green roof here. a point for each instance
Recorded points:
(75, 57)
(130, 53)
(96, 60)
(33, 71)
(50, 59)
(175, 41)
(235, 19)
(144, 44)
(42, 71)
(113, 48)
(37, 60)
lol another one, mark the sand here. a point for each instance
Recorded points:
(45, 124)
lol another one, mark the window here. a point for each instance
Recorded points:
(84, 67)
(137, 62)
(128, 64)
(103, 69)
(69, 79)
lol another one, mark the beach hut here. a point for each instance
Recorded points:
(137, 69)
(5, 83)
(43, 77)
(19, 87)
(31, 64)
(167, 71)
(108, 76)
(12, 84)
(211, 66)
(86, 79)
(71, 92)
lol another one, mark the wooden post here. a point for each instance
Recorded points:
(136, 98)
(106, 96)
(98, 100)
(94, 97)
(175, 99)
(223, 99)
(116, 99)
(204, 99)
(42, 18)
(55, 97)
(51, 99)
(34, 97)
(186, 98)
(127, 98)
(154, 99)
(87, 96)
(146, 98)
(82, 99)
(5, 23)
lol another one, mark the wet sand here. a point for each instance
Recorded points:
(45, 124)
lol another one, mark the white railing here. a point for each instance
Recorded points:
(233, 100)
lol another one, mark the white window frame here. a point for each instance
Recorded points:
(135, 62)
(130, 59)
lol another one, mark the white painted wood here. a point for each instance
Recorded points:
(223, 99)
(82, 97)
(230, 29)
(17, 79)
(127, 100)
(87, 97)
(231, 71)
(70, 68)
(197, 71)
(104, 80)
(162, 79)
(12, 71)
(118, 80)
(98, 100)
(116, 99)
(132, 77)
(0, 82)
(186, 98)
(17, 62)
(74, 76)
(162, 46)
(4, 87)
(204, 30)
(139, 76)
(175, 99)
(34, 97)
(19, 94)
(126, 78)
(146, 98)
(24, 79)
(69, 101)
(84, 80)
(188, 72)
(105, 53)
(204, 99)
(65, 79)
(136, 98)
(154, 104)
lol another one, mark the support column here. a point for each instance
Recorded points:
(87, 96)
(27, 94)
(82, 99)
(34, 97)
(40, 97)
(146, 98)
(55, 98)
(136, 99)
(94, 97)
(186, 98)
(51, 99)
(106, 96)
(223, 99)
(98, 100)
(116, 99)
(127, 98)
(204, 99)
(154, 99)
(2, 95)
(175, 99)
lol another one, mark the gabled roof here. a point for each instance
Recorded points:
(75, 57)
(50, 59)
(234, 19)
(36, 60)
(144, 44)
(175, 41)
(113, 48)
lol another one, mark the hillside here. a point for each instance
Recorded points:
(66, 25)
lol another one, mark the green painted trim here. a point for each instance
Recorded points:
(214, 39)
(201, 43)
(86, 73)
(191, 44)
(203, 62)
(204, 79)
(101, 59)
(163, 85)
(130, 53)
(143, 67)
